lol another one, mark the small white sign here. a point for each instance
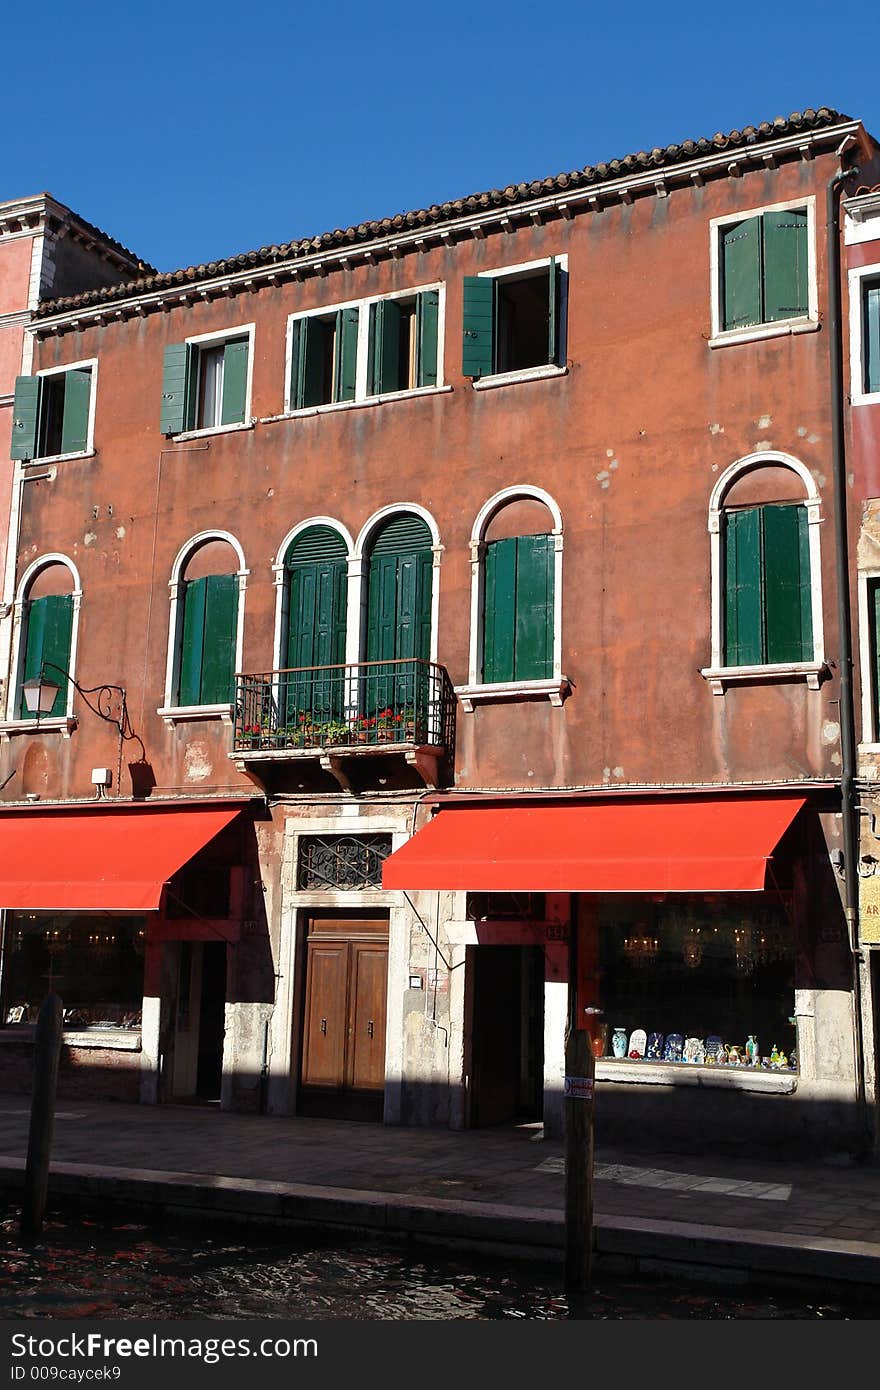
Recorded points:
(579, 1087)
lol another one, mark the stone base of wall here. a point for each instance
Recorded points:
(84, 1074)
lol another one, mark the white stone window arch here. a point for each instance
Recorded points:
(717, 673)
(19, 630)
(554, 687)
(279, 568)
(170, 711)
(357, 568)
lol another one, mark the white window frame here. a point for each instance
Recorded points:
(804, 323)
(362, 396)
(217, 339)
(857, 393)
(554, 687)
(90, 363)
(63, 724)
(169, 711)
(550, 369)
(717, 674)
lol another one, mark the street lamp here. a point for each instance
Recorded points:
(40, 693)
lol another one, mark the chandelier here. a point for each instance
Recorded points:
(640, 948)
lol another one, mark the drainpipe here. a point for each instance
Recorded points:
(844, 627)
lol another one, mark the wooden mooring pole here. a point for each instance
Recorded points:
(47, 1050)
(580, 1071)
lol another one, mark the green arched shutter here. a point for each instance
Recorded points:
(316, 592)
(398, 608)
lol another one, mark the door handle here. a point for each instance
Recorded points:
(323, 1025)
(370, 1028)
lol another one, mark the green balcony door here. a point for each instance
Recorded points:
(398, 614)
(316, 593)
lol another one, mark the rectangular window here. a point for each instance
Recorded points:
(768, 593)
(52, 415)
(206, 383)
(512, 320)
(763, 264)
(207, 640)
(870, 336)
(374, 347)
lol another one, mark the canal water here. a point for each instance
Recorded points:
(90, 1267)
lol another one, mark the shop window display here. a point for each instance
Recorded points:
(698, 979)
(94, 963)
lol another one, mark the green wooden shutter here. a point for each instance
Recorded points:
(49, 625)
(218, 661)
(786, 284)
(192, 642)
(741, 273)
(24, 417)
(427, 328)
(176, 377)
(478, 326)
(871, 339)
(75, 420)
(743, 605)
(787, 590)
(555, 301)
(533, 641)
(499, 611)
(308, 364)
(385, 347)
(398, 609)
(346, 354)
(235, 369)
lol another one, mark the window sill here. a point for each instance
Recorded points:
(759, 331)
(865, 398)
(486, 383)
(693, 1074)
(58, 458)
(555, 690)
(112, 1039)
(64, 726)
(215, 429)
(719, 677)
(185, 714)
(333, 406)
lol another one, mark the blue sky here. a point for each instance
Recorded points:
(192, 132)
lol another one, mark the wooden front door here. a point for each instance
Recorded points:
(343, 1045)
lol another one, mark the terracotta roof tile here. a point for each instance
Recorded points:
(657, 158)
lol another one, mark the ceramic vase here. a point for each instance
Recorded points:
(618, 1042)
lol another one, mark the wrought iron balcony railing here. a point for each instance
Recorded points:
(369, 704)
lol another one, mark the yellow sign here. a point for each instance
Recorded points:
(869, 911)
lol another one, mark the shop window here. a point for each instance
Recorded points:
(206, 383)
(696, 977)
(95, 964)
(52, 414)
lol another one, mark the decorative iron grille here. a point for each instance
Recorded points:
(342, 861)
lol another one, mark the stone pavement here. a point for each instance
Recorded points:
(746, 1217)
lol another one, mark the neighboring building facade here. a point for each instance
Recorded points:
(861, 226)
(470, 574)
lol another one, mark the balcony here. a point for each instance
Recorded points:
(399, 715)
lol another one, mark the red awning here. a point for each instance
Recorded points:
(719, 844)
(99, 859)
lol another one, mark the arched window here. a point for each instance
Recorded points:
(48, 607)
(516, 600)
(766, 580)
(313, 622)
(206, 622)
